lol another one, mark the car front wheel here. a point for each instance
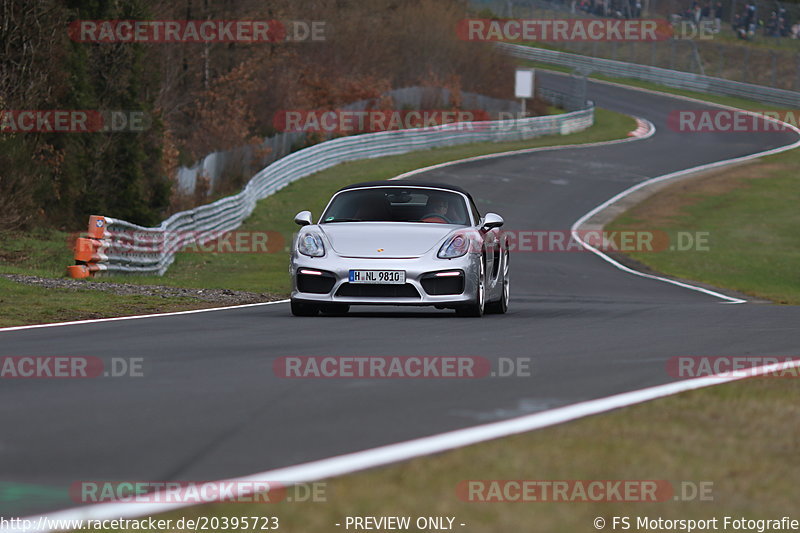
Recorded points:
(501, 306)
(476, 308)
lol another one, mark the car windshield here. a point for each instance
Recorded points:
(387, 204)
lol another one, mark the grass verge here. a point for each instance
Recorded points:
(24, 304)
(749, 214)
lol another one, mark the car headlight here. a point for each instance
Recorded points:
(310, 244)
(455, 246)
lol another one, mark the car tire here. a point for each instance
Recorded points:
(476, 308)
(500, 306)
(304, 308)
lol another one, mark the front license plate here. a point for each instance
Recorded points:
(393, 277)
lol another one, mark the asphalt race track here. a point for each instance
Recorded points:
(210, 407)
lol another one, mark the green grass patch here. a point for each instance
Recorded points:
(42, 252)
(25, 304)
(750, 215)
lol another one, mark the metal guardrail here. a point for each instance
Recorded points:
(118, 246)
(671, 78)
(243, 161)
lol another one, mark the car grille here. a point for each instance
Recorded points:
(378, 290)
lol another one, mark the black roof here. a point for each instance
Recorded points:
(407, 183)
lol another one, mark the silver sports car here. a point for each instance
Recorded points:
(400, 243)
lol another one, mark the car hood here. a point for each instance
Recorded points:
(393, 239)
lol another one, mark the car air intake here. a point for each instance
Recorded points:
(320, 283)
(441, 285)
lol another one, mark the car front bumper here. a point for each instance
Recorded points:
(419, 271)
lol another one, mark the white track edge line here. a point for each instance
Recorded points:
(134, 317)
(576, 226)
(393, 453)
(647, 135)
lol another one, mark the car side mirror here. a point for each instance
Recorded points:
(303, 218)
(492, 220)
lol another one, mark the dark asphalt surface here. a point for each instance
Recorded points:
(210, 407)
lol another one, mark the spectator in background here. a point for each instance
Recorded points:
(771, 27)
(705, 12)
(745, 24)
(750, 19)
(717, 17)
(742, 22)
(739, 27)
(784, 23)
